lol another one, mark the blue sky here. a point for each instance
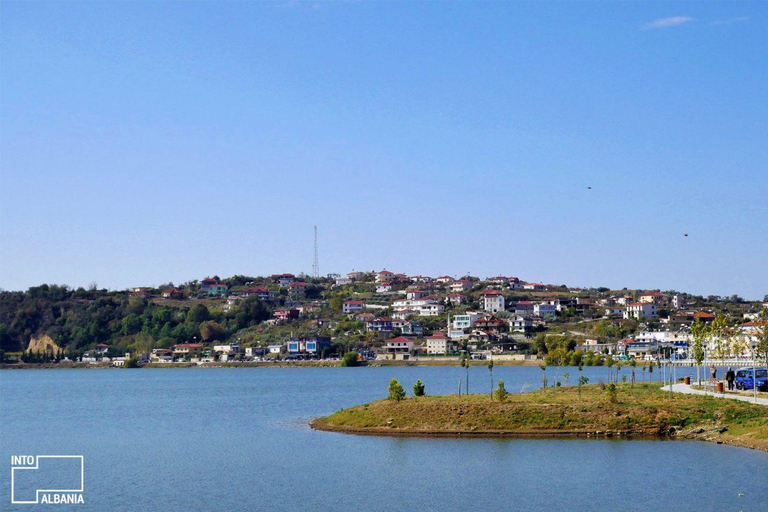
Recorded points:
(142, 143)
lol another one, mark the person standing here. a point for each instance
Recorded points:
(730, 376)
(713, 375)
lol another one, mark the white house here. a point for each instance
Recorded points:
(353, 306)
(465, 320)
(460, 286)
(398, 348)
(653, 298)
(440, 344)
(544, 310)
(639, 310)
(493, 301)
(520, 323)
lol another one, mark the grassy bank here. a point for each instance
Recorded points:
(642, 411)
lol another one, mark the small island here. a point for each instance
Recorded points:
(594, 410)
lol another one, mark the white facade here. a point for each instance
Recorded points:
(543, 310)
(493, 301)
(640, 310)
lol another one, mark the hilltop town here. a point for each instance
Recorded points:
(381, 315)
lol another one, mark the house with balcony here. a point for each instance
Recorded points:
(491, 324)
(545, 310)
(440, 344)
(493, 301)
(352, 307)
(309, 345)
(217, 290)
(187, 351)
(397, 349)
(641, 310)
(283, 315)
(411, 328)
(379, 325)
(460, 285)
(652, 298)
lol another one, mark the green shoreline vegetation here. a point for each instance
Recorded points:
(594, 410)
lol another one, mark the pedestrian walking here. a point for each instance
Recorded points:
(730, 376)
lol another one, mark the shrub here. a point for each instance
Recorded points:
(349, 359)
(396, 391)
(611, 388)
(133, 362)
(418, 388)
(501, 392)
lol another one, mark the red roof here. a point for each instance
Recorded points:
(297, 283)
(438, 336)
(400, 339)
(702, 314)
(354, 302)
(188, 345)
(525, 303)
(491, 292)
(652, 294)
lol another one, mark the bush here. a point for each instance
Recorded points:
(396, 391)
(501, 392)
(349, 359)
(418, 388)
(611, 388)
(132, 363)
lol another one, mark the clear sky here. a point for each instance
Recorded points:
(142, 143)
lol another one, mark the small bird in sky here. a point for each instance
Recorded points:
(686, 234)
(589, 188)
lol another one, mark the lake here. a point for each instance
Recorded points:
(237, 439)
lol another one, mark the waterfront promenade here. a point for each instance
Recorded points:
(684, 388)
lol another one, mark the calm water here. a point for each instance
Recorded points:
(237, 439)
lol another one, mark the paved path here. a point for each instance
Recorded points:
(683, 388)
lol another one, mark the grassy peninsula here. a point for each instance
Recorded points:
(642, 410)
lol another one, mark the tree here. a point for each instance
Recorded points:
(131, 324)
(198, 314)
(700, 333)
(133, 362)
(566, 376)
(501, 392)
(350, 359)
(418, 388)
(490, 369)
(544, 379)
(464, 362)
(212, 331)
(396, 391)
(723, 336)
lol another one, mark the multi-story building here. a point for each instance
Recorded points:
(493, 301)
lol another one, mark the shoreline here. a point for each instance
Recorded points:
(711, 436)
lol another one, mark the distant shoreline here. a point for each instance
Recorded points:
(265, 364)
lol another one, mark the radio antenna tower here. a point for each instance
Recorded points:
(315, 264)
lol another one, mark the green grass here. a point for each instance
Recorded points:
(642, 410)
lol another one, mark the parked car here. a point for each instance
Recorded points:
(744, 379)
